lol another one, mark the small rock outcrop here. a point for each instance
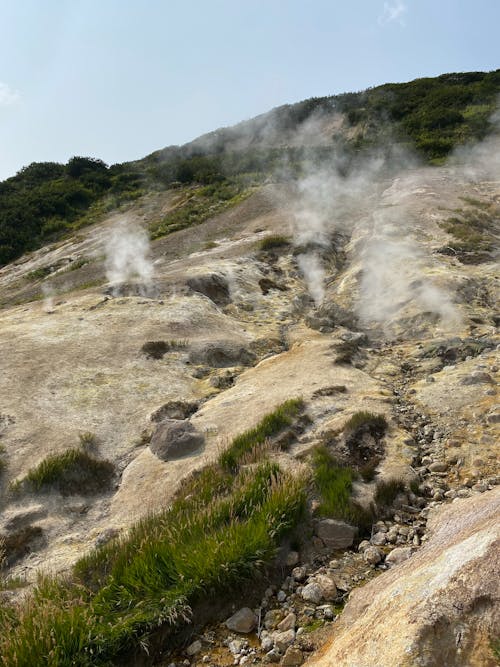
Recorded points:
(212, 285)
(175, 438)
(220, 354)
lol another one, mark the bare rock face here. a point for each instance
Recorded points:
(438, 608)
(212, 285)
(175, 438)
(220, 354)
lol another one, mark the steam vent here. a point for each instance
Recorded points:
(249, 406)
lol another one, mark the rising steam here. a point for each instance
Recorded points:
(127, 257)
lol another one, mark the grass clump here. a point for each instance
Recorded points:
(366, 421)
(157, 349)
(387, 490)
(39, 274)
(70, 472)
(334, 483)
(220, 530)
(274, 241)
(272, 424)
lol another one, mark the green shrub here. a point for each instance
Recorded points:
(274, 241)
(272, 424)
(198, 549)
(334, 484)
(39, 274)
(387, 490)
(370, 422)
(71, 472)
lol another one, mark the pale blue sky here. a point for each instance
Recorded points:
(117, 79)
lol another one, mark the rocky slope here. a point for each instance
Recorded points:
(368, 304)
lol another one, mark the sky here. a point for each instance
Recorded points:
(118, 79)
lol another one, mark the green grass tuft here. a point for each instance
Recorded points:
(274, 241)
(373, 423)
(71, 472)
(220, 531)
(334, 484)
(272, 424)
(387, 490)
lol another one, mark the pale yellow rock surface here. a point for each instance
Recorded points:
(440, 607)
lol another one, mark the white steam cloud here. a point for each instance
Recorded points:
(127, 256)
(393, 270)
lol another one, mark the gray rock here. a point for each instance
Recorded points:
(174, 438)
(243, 621)
(273, 655)
(373, 555)
(493, 418)
(282, 640)
(281, 596)
(212, 285)
(364, 544)
(379, 539)
(398, 555)
(292, 559)
(266, 643)
(237, 645)
(194, 648)
(327, 586)
(299, 573)
(272, 618)
(438, 466)
(293, 657)
(336, 534)
(312, 593)
(477, 377)
(288, 623)
(221, 354)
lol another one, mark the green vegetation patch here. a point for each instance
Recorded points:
(205, 202)
(274, 242)
(221, 530)
(387, 490)
(71, 472)
(370, 422)
(272, 424)
(334, 481)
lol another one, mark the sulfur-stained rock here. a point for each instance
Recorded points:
(438, 608)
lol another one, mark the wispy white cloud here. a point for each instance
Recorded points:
(393, 12)
(8, 95)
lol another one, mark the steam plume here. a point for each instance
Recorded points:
(127, 256)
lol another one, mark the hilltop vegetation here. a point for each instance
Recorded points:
(45, 201)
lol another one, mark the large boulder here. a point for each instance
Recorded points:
(212, 285)
(175, 438)
(220, 354)
(439, 607)
(336, 534)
